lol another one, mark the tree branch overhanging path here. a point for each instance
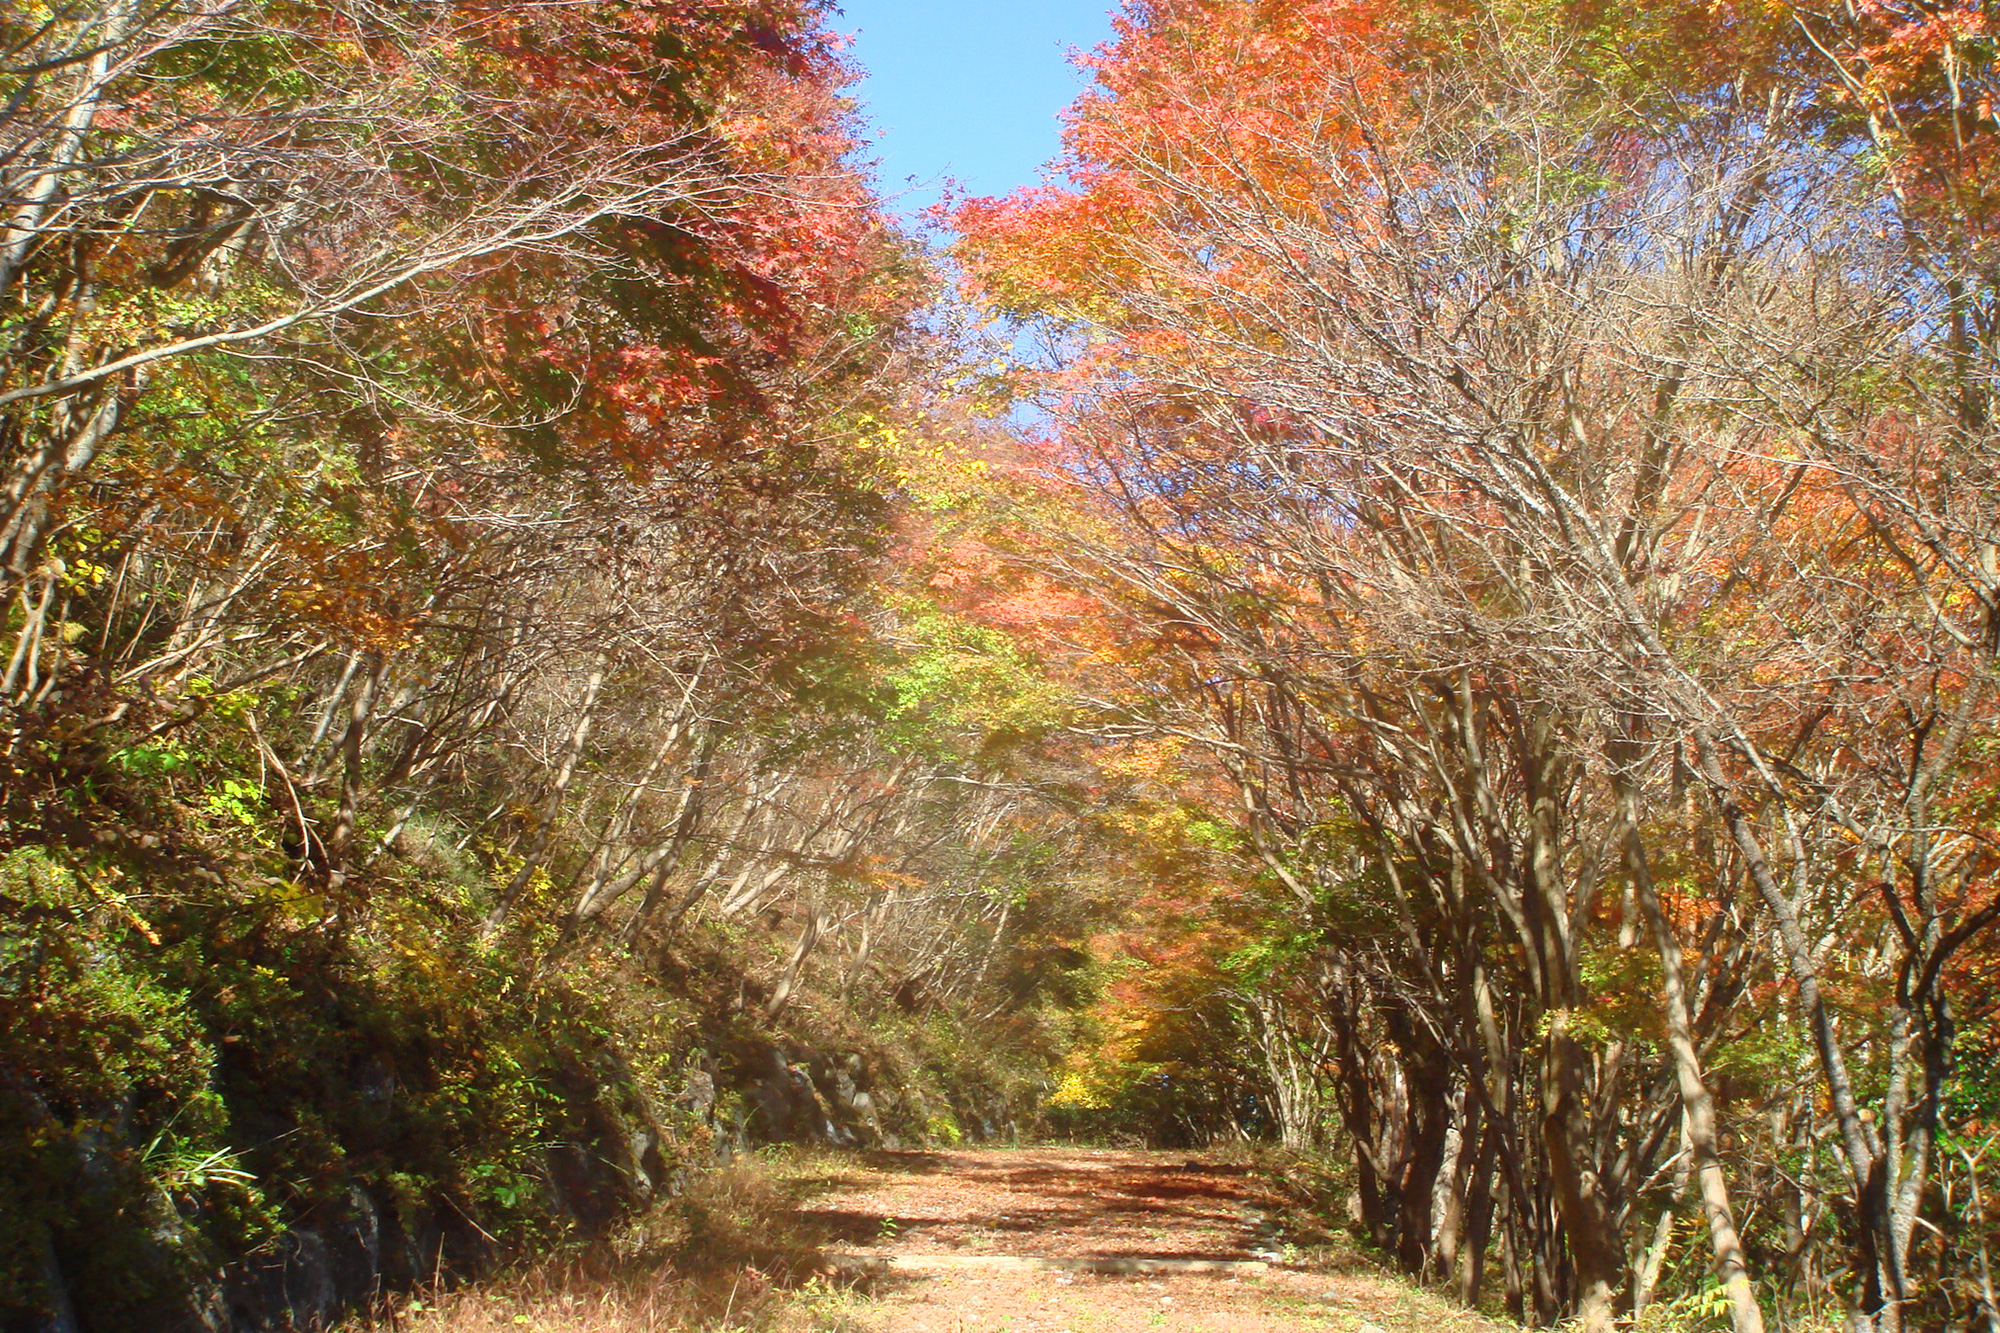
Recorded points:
(1554, 483)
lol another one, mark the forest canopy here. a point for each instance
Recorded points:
(1431, 596)
(1538, 463)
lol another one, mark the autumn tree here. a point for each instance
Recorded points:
(453, 455)
(1464, 391)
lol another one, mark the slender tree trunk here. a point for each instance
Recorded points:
(545, 826)
(1513, 1289)
(340, 839)
(1697, 1104)
(1586, 1218)
(1478, 1219)
(1652, 1258)
(1457, 1186)
(795, 966)
(1881, 1292)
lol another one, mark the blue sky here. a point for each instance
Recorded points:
(967, 88)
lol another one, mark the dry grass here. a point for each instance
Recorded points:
(555, 1300)
(729, 1254)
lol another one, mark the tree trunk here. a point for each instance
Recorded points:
(795, 966)
(545, 825)
(1580, 1203)
(1478, 1213)
(1732, 1268)
(1880, 1292)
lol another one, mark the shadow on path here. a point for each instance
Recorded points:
(1047, 1203)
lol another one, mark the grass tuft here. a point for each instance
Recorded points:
(728, 1254)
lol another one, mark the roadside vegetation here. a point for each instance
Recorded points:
(471, 760)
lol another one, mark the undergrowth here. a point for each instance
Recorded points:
(203, 1058)
(730, 1253)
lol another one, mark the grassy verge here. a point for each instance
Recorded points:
(730, 1253)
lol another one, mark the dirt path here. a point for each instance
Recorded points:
(1079, 1241)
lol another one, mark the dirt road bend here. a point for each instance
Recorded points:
(1090, 1241)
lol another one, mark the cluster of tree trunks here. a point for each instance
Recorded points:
(1561, 509)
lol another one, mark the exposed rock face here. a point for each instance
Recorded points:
(817, 1098)
(699, 1094)
(620, 1156)
(857, 1104)
(787, 1107)
(325, 1266)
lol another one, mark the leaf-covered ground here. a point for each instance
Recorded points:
(955, 1237)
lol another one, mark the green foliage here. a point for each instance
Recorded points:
(1624, 986)
(236, 801)
(152, 758)
(1265, 958)
(956, 680)
(1767, 1056)
(184, 1070)
(113, 1147)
